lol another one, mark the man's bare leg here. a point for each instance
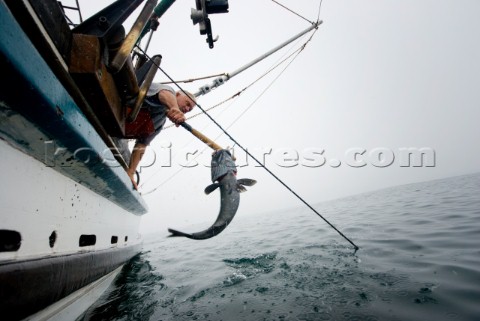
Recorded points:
(135, 158)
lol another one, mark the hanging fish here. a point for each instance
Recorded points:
(223, 176)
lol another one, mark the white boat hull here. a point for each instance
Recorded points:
(69, 214)
(38, 202)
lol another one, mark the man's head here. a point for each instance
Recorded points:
(185, 102)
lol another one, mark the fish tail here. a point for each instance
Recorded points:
(178, 233)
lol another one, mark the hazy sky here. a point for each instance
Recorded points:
(378, 76)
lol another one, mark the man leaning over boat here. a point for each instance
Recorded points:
(162, 101)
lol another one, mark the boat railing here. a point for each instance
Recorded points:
(75, 8)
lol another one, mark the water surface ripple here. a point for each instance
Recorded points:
(419, 260)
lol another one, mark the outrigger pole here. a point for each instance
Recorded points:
(222, 79)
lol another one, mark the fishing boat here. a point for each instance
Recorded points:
(71, 98)
(70, 217)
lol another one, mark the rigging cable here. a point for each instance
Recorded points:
(298, 15)
(297, 52)
(254, 158)
(251, 84)
(319, 10)
(278, 76)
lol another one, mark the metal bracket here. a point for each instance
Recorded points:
(200, 16)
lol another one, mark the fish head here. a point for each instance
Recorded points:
(221, 164)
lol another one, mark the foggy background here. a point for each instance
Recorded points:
(378, 76)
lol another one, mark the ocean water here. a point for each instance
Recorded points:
(419, 259)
